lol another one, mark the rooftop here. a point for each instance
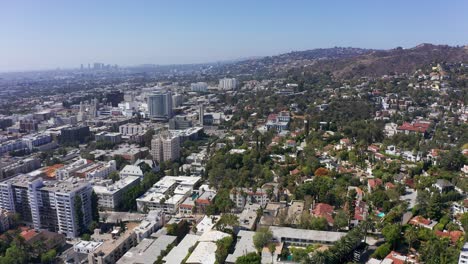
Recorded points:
(147, 251)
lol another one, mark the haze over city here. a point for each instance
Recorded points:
(64, 34)
(234, 132)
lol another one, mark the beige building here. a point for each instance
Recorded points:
(165, 148)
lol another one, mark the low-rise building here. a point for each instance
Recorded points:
(303, 237)
(111, 194)
(167, 194)
(147, 251)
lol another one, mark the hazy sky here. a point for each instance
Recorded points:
(44, 34)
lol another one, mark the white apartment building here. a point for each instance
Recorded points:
(227, 84)
(98, 170)
(167, 194)
(32, 141)
(199, 87)
(68, 171)
(111, 194)
(165, 148)
(48, 205)
(242, 196)
(131, 170)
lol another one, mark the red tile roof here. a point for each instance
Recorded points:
(324, 210)
(374, 182)
(415, 127)
(453, 235)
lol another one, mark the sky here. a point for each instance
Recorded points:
(49, 34)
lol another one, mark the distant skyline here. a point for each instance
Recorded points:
(48, 34)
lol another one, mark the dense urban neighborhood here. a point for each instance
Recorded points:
(338, 155)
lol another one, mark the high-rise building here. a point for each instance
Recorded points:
(227, 84)
(177, 100)
(201, 114)
(160, 105)
(164, 148)
(58, 206)
(74, 134)
(199, 87)
(180, 122)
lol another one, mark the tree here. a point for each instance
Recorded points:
(272, 249)
(251, 258)
(226, 220)
(318, 223)
(14, 255)
(262, 237)
(95, 206)
(78, 204)
(392, 234)
(222, 249)
(341, 220)
(382, 251)
(464, 221)
(49, 256)
(411, 236)
(434, 207)
(114, 176)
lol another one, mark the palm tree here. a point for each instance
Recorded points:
(272, 248)
(411, 236)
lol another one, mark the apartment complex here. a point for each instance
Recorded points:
(165, 148)
(111, 194)
(48, 205)
(167, 194)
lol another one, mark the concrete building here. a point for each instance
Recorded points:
(131, 170)
(111, 137)
(114, 245)
(111, 194)
(32, 141)
(178, 253)
(199, 87)
(11, 168)
(48, 205)
(77, 134)
(165, 148)
(167, 194)
(180, 122)
(132, 129)
(147, 251)
(154, 220)
(303, 237)
(227, 84)
(241, 196)
(160, 105)
(243, 247)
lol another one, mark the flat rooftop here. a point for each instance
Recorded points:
(178, 253)
(147, 251)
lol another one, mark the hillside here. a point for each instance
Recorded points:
(350, 62)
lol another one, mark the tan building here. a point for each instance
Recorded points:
(165, 148)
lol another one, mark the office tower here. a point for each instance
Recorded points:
(160, 105)
(201, 114)
(164, 148)
(227, 84)
(77, 134)
(114, 97)
(81, 67)
(58, 206)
